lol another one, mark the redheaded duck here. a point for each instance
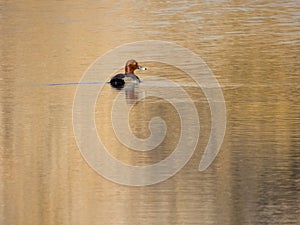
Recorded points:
(131, 65)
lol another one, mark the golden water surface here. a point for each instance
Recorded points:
(252, 48)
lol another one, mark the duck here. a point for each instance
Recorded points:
(118, 81)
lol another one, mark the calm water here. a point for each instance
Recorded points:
(252, 47)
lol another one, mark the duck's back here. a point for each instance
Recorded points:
(118, 80)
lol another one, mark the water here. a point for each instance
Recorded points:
(252, 48)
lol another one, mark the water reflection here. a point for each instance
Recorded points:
(131, 94)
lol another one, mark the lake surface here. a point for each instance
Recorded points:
(250, 47)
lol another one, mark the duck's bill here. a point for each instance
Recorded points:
(142, 68)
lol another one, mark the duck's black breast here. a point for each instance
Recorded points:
(118, 81)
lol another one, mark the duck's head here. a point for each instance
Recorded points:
(131, 65)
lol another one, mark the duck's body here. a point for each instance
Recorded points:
(118, 81)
